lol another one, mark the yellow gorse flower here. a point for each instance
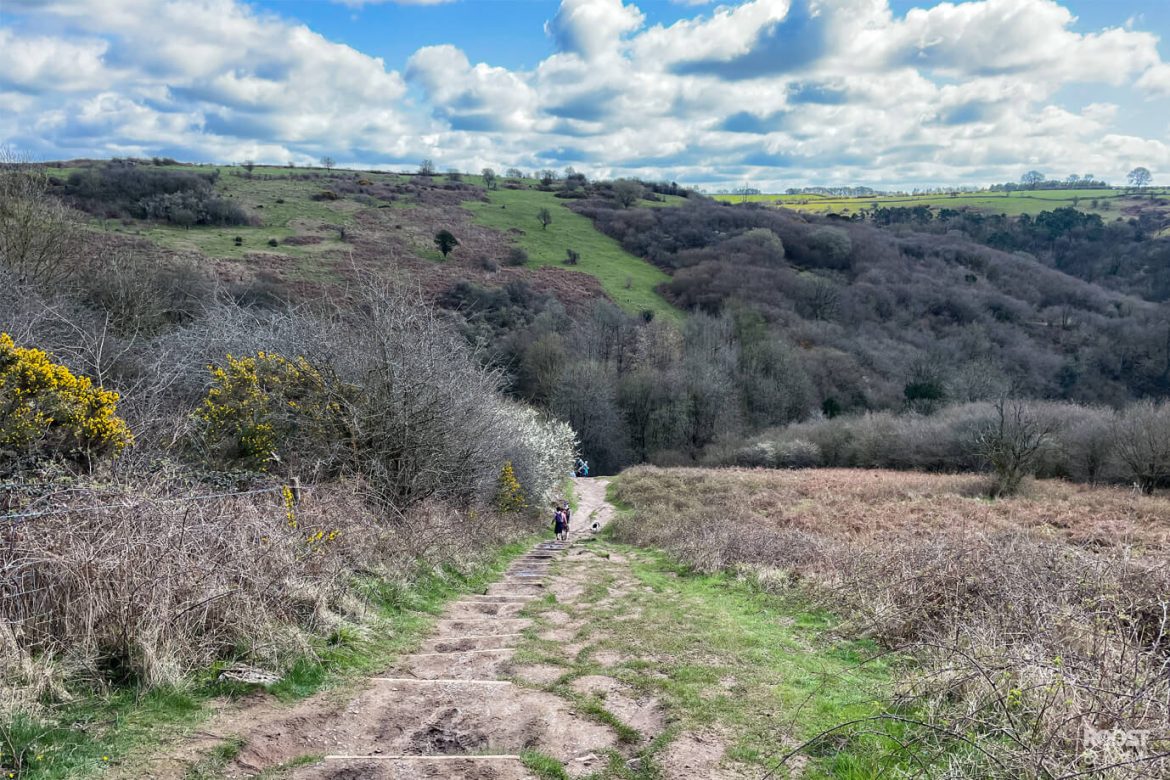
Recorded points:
(257, 405)
(45, 407)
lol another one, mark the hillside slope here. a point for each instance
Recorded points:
(301, 230)
(879, 314)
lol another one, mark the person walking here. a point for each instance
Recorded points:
(559, 523)
(568, 513)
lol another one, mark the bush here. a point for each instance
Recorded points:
(47, 412)
(517, 257)
(325, 195)
(270, 408)
(509, 494)
(797, 454)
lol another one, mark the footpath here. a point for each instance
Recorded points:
(521, 682)
(461, 706)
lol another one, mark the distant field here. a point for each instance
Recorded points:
(282, 207)
(628, 280)
(1109, 202)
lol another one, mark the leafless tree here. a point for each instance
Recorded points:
(627, 192)
(1011, 443)
(1141, 439)
(39, 237)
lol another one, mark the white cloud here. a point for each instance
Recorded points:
(592, 28)
(1156, 80)
(775, 90)
(361, 3)
(46, 63)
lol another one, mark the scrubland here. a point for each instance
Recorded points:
(1033, 624)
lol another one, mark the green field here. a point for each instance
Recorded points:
(1109, 202)
(279, 206)
(282, 207)
(628, 280)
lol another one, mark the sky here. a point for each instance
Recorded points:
(765, 93)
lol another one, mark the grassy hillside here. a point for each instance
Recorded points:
(628, 280)
(311, 215)
(1108, 202)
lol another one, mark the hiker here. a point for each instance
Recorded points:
(582, 468)
(558, 522)
(568, 513)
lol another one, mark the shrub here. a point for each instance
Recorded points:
(509, 495)
(267, 409)
(47, 412)
(326, 195)
(797, 454)
(273, 242)
(517, 257)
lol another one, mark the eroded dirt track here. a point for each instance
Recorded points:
(454, 708)
(494, 681)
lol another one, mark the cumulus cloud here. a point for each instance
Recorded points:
(187, 69)
(1156, 80)
(778, 91)
(591, 28)
(361, 3)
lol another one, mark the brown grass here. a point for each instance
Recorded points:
(1032, 621)
(861, 505)
(154, 585)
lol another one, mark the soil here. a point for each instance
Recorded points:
(460, 707)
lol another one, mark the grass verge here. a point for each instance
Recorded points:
(721, 656)
(120, 727)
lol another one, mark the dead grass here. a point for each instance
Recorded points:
(1036, 622)
(861, 505)
(155, 585)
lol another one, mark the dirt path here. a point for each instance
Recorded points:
(496, 692)
(452, 709)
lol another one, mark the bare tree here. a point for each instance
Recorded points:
(1139, 177)
(489, 178)
(327, 162)
(514, 173)
(1031, 178)
(1141, 439)
(544, 216)
(1011, 443)
(627, 192)
(426, 168)
(39, 238)
(248, 165)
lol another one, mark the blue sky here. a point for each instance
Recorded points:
(775, 93)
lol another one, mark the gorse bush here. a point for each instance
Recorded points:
(509, 495)
(48, 412)
(269, 408)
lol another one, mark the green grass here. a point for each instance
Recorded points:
(1012, 203)
(544, 767)
(121, 727)
(628, 280)
(212, 765)
(765, 671)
